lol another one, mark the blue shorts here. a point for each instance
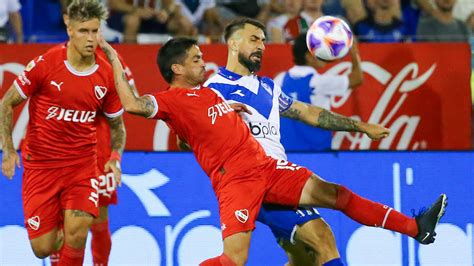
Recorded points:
(283, 220)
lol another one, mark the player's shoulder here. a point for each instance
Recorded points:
(53, 56)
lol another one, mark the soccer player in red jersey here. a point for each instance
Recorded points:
(241, 174)
(67, 87)
(101, 242)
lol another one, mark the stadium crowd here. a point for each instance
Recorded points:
(154, 21)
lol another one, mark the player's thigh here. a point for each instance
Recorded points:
(240, 198)
(318, 192)
(41, 204)
(81, 191)
(77, 223)
(285, 182)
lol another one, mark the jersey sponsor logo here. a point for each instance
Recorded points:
(262, 130)
(69, 115)
(218, 110)
(285, 165)
(242, 215)
(58, 86)
(100, 91)
(238, 92)
(34, 222)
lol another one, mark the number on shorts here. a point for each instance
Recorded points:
(107, 184)
(94, 197)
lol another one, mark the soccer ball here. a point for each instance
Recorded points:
(329, 38)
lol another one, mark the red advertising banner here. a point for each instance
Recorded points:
(420, 91)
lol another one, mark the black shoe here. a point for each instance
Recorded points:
(428, 220)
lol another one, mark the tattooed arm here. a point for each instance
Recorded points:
(319, 117)
(11, 99)
(117, 139)
(144, 105)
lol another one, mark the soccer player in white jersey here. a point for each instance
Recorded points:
(302, 82)
(237, 82)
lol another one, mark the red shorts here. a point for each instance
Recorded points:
(240, 196)
(107, 189)
(47, 192)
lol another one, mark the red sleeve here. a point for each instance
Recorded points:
(162, 109)
(112, 107)
(28, 82)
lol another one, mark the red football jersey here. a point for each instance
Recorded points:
(63, 108)
(217, 135)
(103, 130)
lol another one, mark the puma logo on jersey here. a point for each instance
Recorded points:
(58, 86)
(100, 92)
(69, 115)
(192, 94)
(218, 110)
(238, 92)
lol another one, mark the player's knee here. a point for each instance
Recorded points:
(239, 257)
(42, 250)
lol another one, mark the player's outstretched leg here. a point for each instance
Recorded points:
(101, 241)
(318, 192)
(236, 250)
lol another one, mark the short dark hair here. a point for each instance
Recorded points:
(299, 50)
(173, 52)
(238, 24)
(84, 10)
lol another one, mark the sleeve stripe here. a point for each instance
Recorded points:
(119, 113)
(285, 102)
(20, 91)
(155, 103)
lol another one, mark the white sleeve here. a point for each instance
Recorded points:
(330, 85)
(278, 80)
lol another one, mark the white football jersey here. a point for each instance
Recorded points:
(263, 98)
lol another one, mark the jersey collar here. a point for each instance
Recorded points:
(228, 74)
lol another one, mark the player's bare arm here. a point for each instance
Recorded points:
(144, 105)
(117, 137)
(10, 158)
(319, 117)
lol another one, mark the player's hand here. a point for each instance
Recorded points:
(239, 107)
(9, 160)
(114, 166)
(375, 131)
(105, 46)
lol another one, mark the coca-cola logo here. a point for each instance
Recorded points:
(397, 89)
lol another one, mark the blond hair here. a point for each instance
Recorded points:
(83, 10)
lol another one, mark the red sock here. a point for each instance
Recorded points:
(54, 257)
(71, 256)
(101, 243)
(222, 260)
(374, 214)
